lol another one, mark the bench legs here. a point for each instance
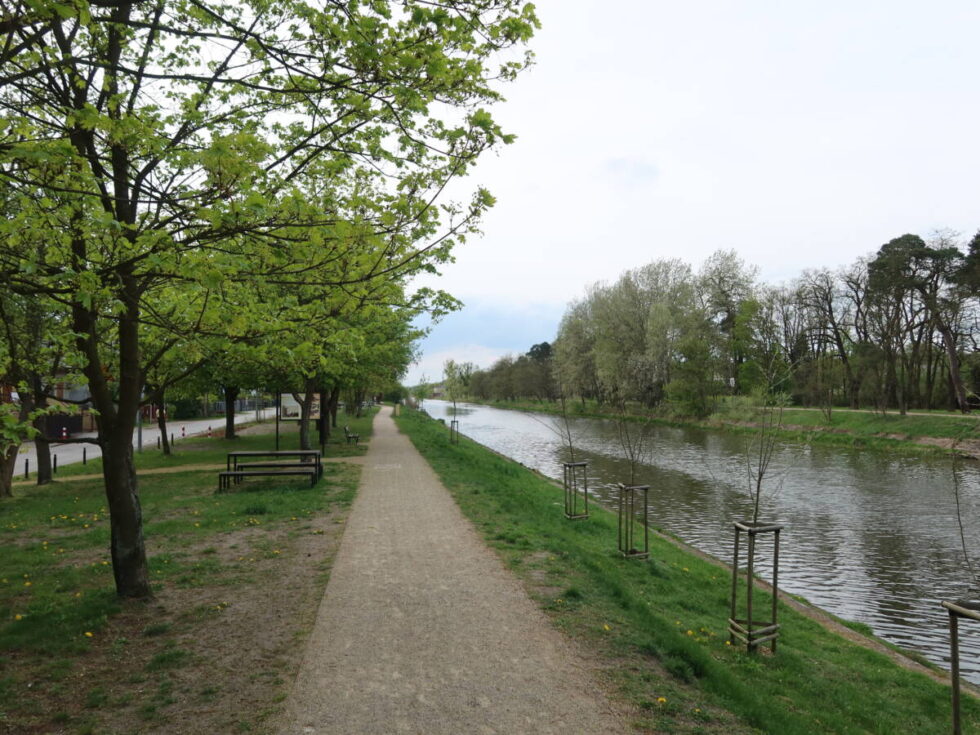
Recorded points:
(225, 478)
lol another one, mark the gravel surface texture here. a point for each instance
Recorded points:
(422, 629)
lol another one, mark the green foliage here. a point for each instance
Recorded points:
(529, 375)
(249, 181)
(456, 379)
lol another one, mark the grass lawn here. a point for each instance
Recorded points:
(236, 578)
(210, 452)
(659, 626)
(889, 431)
(869, 424)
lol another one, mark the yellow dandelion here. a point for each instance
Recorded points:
(18, 616)
(197, 525)
(28, 584)
(606, 627)
(88, 634)
(728, 643)
(661, 700)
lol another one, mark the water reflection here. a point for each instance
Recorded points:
(869, 536)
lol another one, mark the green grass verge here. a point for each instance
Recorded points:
(871, 424)
(57, 598)
(891, 431)
(197, 450)
(661, 625)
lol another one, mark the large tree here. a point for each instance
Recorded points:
(180, 144)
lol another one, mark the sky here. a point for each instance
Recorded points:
(801, 134)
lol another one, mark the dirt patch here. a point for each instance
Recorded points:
(141, 473)
(967, 447)
(214, 652)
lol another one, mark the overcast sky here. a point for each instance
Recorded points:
(801, 134)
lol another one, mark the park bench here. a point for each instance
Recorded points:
(225, 478)
(351, 438)
(304, 462)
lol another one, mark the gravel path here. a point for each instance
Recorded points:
(422, 630)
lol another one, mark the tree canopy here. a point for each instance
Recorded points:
(196, 168)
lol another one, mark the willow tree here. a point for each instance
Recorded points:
(183, 143)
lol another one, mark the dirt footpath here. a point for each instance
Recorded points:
(422, 630)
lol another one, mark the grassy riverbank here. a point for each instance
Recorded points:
(915, 432)
(237, 578)
(658, 627)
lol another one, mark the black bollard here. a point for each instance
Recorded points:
(84, 455)
(171, 438)
(54, 469)
(27, 464)
(158, 442)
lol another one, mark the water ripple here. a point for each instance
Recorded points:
(868, 536)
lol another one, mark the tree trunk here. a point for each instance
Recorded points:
(8, 463)
(231, 395)
(42, 447)
(162, 424)
(42, 450)
(323, 422)
(116, 422)
(955, 379)
(8, 459)
(331, 409)
(127, 545)
(305, 409)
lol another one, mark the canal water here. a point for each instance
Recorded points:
(870, 536)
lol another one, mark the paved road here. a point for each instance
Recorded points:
(423, 630)
(71, 453)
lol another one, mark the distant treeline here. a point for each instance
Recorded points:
(897, 330)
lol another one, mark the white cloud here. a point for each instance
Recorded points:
(801, 135)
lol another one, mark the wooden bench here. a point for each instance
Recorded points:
(273, 465)
(306, 462)
(351, 438)
(225, 478)
(301, 457)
